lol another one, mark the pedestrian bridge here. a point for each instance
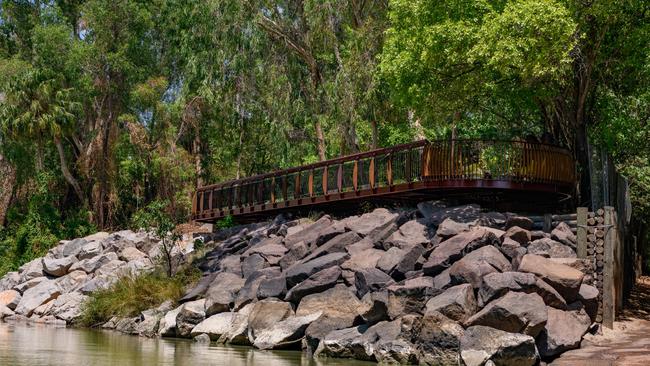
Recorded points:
(504, 172)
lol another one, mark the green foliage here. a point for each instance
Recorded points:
(130, 295)
(226, 223)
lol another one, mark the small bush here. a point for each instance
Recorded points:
(226, 223)
(131, 295)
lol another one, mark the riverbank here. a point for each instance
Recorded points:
(432, 285)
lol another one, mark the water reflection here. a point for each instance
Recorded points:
(36, 344)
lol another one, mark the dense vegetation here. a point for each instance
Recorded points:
(108, 105)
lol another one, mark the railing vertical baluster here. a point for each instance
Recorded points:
(371, 173)
(325, 176)
(355, 176)
(389, 170)
(311, 183)
(284, 188)
(339, 178)
(273, 190)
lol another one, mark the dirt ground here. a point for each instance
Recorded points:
(627, 344)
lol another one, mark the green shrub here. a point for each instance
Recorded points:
(226, 223)
(131, 295)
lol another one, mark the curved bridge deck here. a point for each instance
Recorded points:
(535, 172)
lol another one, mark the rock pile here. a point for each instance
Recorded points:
(53, 288)
(432, 286)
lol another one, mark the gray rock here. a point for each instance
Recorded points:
(99, 282)
(473, 266)
(238, 332)
(497, 284)
(68, 306)
(222, 293)
(200, 288)
(272, 287)
(453, 249)
(58, 267)
(550, 248)
(9, 280)
(410, 297)
(320, 328)
(253, 263)
(480, 344)
(167, 325)
(318, 282)
(449, 228)
(191, 314)
(515, 312)
(90, 250)
(301, 271)
(344, 343)
(315, 234)
(442, 281)
(73, 247)
(512, 249)
(296, 253)
(462, 214)
(521, 236)
(366, 223)
(72, 281)
(588, 296)
(457, 303)
(265, 314)
(284, 332)
(338, 302)
(564, 279)
(217, 325)
(521, 221)
(414, 232)
(428, 208)
(406, 261)
(129, 254)
(378, 307)
(437, 339)
(563, 331)
(6, 312)
(272, 250)
(31, 270)
(110, 269)
(371, 280)
(93, 264)
(36, 296)
(22, 287)
(564, 235)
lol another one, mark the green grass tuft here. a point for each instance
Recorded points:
(131, 295)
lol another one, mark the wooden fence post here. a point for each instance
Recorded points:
(548, 223)
(609, 292)
(581, 249)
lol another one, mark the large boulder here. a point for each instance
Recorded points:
(564, 235)
(68, 306)
(437, 339)
(370, 280)
(222, 293)
(562, 278)
(95, 263)
(480, 345)
(92, 249)
(248, 293)
(550, 248)
(410, 296)
(338, 302)
(58, 267)
(475, 265)
(252, 264)
(366, 223)
(73, 247)
(301, 271)
(464, 214)
(191, 314)
(272, 287)
(10, 298)
(397, 262)
(129, 254)
(265, 314)
(344, 343)
(563, 331)
(167, 325)
(449, 228)
(285, 332)
(72, 281)
(315, 234)
(318, 282)
(37, 296)
(498, 284)
(522, 221)
(414, 232)
(272, 250)
(337, 244)
(366, 258)
(588, 296)
(454, 248)
(516, 312)
(31, 270)
(521, 236)
(10, 280)
(457, 303)
(217, 325)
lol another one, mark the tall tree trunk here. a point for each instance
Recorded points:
(198, 165)
(66, 171)
(416, 125)
(7, 182)
(320, 137)
(375, 133)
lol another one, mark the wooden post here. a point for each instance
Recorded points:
(355, 176)
(389, 171)
(371, 173)
(548, 223)
(273, 190)
(609, 292)
(311, 183)
(581, 249)
(325, 180)
(339, 178)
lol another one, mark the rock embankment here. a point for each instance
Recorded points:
(432, 286)
(52, 289)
